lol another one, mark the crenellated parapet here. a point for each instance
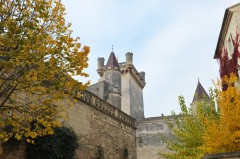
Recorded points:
(106, 108)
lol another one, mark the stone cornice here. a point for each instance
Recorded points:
(134, 73)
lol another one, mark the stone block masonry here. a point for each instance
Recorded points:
(104, 131)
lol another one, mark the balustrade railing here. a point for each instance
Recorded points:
(98, 103)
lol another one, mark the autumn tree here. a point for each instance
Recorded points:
(187, 131)
(223, 134)
(209, 130)
(38, 58)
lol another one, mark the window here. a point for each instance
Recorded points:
(230, 47)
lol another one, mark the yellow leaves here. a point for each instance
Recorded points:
(34, 78)
(49, 131)
(41, 54)
(33, 135)
(62, 23)
(86, 49)
(56, 124)
(5, 139)
(30, 119)
(223, 134)
(18, 136)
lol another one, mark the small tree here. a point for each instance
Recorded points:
(38, 57)
(187, 131)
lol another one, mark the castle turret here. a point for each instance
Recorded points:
(129, 59)
(112, 75)
(200, 95)
(100, 69)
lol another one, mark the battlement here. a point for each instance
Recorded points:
(106, 108)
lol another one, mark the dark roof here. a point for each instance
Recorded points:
(200, 93)
(112, 62)
(221, 34)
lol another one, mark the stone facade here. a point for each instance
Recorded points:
(12, 153)
(103, 130)
(151, 131)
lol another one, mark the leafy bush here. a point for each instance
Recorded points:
(61, 145)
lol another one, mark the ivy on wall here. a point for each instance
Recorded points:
(227, 65)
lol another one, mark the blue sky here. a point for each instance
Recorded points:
(172, 41)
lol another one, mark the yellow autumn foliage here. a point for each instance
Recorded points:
(223, 134)
(208, 130)
(38, 57)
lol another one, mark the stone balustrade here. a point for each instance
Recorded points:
(101, 105)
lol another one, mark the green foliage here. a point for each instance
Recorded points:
(61, 145)
(187, 131)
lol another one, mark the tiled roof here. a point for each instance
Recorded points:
(200, 93)
(112, 62)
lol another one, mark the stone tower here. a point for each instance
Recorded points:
(112, 75)
(200, 95)
(121, 85)
(133, 83)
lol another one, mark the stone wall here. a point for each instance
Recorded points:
(151, 131)
(12, 153)
(103, 130)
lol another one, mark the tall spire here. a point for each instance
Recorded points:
(200, 93)
(112, 62)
